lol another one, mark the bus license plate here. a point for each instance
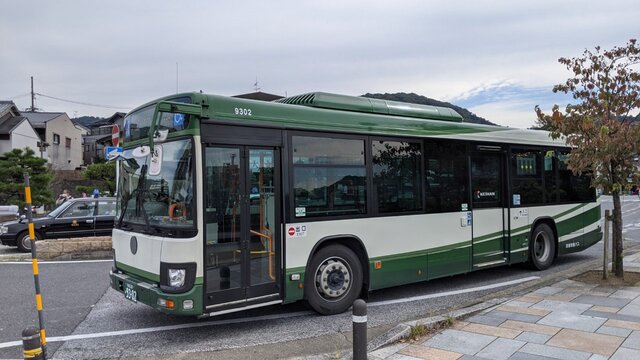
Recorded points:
(130, 293)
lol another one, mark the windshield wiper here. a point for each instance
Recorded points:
(139, 192)
(140, 197)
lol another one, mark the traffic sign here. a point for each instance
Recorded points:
(112, 152)
(115, 135)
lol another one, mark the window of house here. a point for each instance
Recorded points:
(67, 142)
(56, 139)
(329, 176)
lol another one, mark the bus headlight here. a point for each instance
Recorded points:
(177, 277)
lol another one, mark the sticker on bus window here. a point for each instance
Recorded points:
(516, 199)
(156, 161)
(464, 207)
(300, 212)
(178, 121)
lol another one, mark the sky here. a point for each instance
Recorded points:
(496, 58)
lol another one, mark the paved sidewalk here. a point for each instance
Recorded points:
(568, 320)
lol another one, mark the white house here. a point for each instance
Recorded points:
(64, 138)
(15, 130)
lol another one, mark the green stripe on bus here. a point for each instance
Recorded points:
(414, 266)
(292, 289)
(141, 273)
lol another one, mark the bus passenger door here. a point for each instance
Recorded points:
(488, 209)
(241, 227)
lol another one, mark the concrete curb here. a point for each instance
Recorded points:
(66, 249)
(15, 257)
(403, 330)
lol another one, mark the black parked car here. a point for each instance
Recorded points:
(79, 217)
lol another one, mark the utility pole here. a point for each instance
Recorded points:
(33, 97)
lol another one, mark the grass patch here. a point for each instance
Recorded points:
(595, 277)
(420, 331)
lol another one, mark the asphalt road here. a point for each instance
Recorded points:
(84, 321)
(69, 292)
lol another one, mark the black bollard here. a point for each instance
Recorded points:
(31, 346)
(359, 330)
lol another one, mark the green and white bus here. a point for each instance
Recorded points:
(227, 204)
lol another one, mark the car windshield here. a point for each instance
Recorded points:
(55, 212)
(156, 190)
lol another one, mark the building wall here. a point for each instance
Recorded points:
(63, 156)
(5, 146)
(24, 136)
(21, 137)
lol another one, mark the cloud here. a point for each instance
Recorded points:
(508, 103)
(125, 53)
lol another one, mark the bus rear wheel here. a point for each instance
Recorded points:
(542, 248)
(334, 280)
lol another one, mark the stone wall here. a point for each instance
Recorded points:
(75, 248)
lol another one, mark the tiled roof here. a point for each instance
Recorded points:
(6, 106)
(259, 96)
(8, 123)
(40, 117)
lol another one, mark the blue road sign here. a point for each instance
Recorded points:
(112, 152)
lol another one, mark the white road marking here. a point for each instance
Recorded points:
(455, 292)
(162, 328)
(265, 317)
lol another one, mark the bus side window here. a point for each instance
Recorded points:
(329, 176)
(446, 176)
(396, 176)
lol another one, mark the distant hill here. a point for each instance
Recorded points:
(467, 115)
(86, 121)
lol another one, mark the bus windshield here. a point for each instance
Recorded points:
(156, 190)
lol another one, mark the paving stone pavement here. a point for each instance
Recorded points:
(567, 320)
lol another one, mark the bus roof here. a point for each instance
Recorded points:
(358, 115)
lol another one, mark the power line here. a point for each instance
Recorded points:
(84, 103)
(19, 96)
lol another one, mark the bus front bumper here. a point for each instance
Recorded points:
(138, 290)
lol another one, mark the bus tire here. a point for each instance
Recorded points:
(23, 241)
(334, 279)
(542, 247)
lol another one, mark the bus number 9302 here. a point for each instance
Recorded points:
(242, 111)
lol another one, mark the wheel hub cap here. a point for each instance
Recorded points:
(333, 278)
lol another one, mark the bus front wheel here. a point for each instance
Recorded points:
(542, 248)
(334, 280)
